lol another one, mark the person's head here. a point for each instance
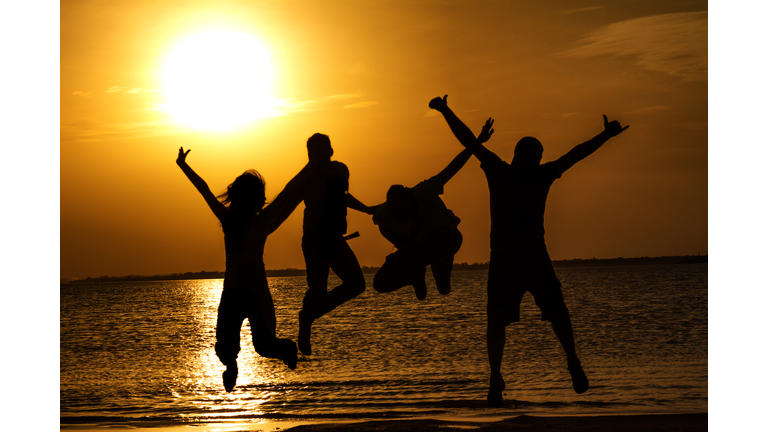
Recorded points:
(401, 201)
(246, 194)
(319, 148)
(528, 152)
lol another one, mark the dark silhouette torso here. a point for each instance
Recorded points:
(518, 200)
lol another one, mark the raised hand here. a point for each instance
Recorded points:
(613, 128)
(182, 157)
(439, 103)
(487, 131)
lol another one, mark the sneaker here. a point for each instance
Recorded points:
(305, 331)
(579, 378)
(230, 377)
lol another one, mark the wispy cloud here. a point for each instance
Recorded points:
(675, 44)
(134, 90)
(566, 115)
(365, 104)
(344, 96)
(584, 9)
(649, 110)
(139, 91)
(115, 89)
(91, 131)
(288, 106)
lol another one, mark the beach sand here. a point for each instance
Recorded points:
(638, 423)
(527, 423)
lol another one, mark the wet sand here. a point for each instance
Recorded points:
(527, 423)
(634, 423)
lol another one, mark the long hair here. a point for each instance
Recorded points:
(246, 194)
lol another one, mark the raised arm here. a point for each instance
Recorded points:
(456, 164)
(585, 149)
(216, 206)
(462, 132)
(286, 201)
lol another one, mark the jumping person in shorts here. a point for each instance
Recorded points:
(424, 231)
(519, 258)
(326, 198)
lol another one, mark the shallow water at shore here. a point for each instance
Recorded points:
(142, 352)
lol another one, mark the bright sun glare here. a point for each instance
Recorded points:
(218, 80)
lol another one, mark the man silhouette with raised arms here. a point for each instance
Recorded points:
(519, 258)
(326, 198)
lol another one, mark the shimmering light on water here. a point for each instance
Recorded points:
(137, 351)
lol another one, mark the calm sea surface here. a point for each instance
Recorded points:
(143, 351)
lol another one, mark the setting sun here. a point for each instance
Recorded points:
(218, 80)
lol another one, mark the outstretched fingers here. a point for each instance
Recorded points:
(182, 154)
(487, 131)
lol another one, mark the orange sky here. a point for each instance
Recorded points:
(363, 73)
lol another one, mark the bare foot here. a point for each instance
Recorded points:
(579, 378)
(496, 392)
(230, 377)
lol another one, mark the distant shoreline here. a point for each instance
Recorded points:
(577, 262)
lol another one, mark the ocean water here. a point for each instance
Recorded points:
(132, 353)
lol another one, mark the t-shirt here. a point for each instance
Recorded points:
(518, 201)
(325, 200)
(244, 239)
(431, 210)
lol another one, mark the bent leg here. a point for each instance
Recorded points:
(393, 274)
(564, 331)
(347, 268)
(317, 277)
(548, 295)
(268, 345)
(505, 292)
(261, 318)
(228, 322)
(317, 285)
(441, 256)
(496, 339)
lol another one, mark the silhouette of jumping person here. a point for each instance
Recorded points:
(519, 258)
(246, 224)
(326, 198)
(424, 231)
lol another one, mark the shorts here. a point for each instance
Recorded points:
(402, 266)
(512, 273)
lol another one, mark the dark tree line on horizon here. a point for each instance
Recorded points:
(576, 262)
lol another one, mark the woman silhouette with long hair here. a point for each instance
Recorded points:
(246, 223)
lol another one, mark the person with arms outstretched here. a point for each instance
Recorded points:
(326, 198)
(246, 224)
(424, 231)
(519, 259)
